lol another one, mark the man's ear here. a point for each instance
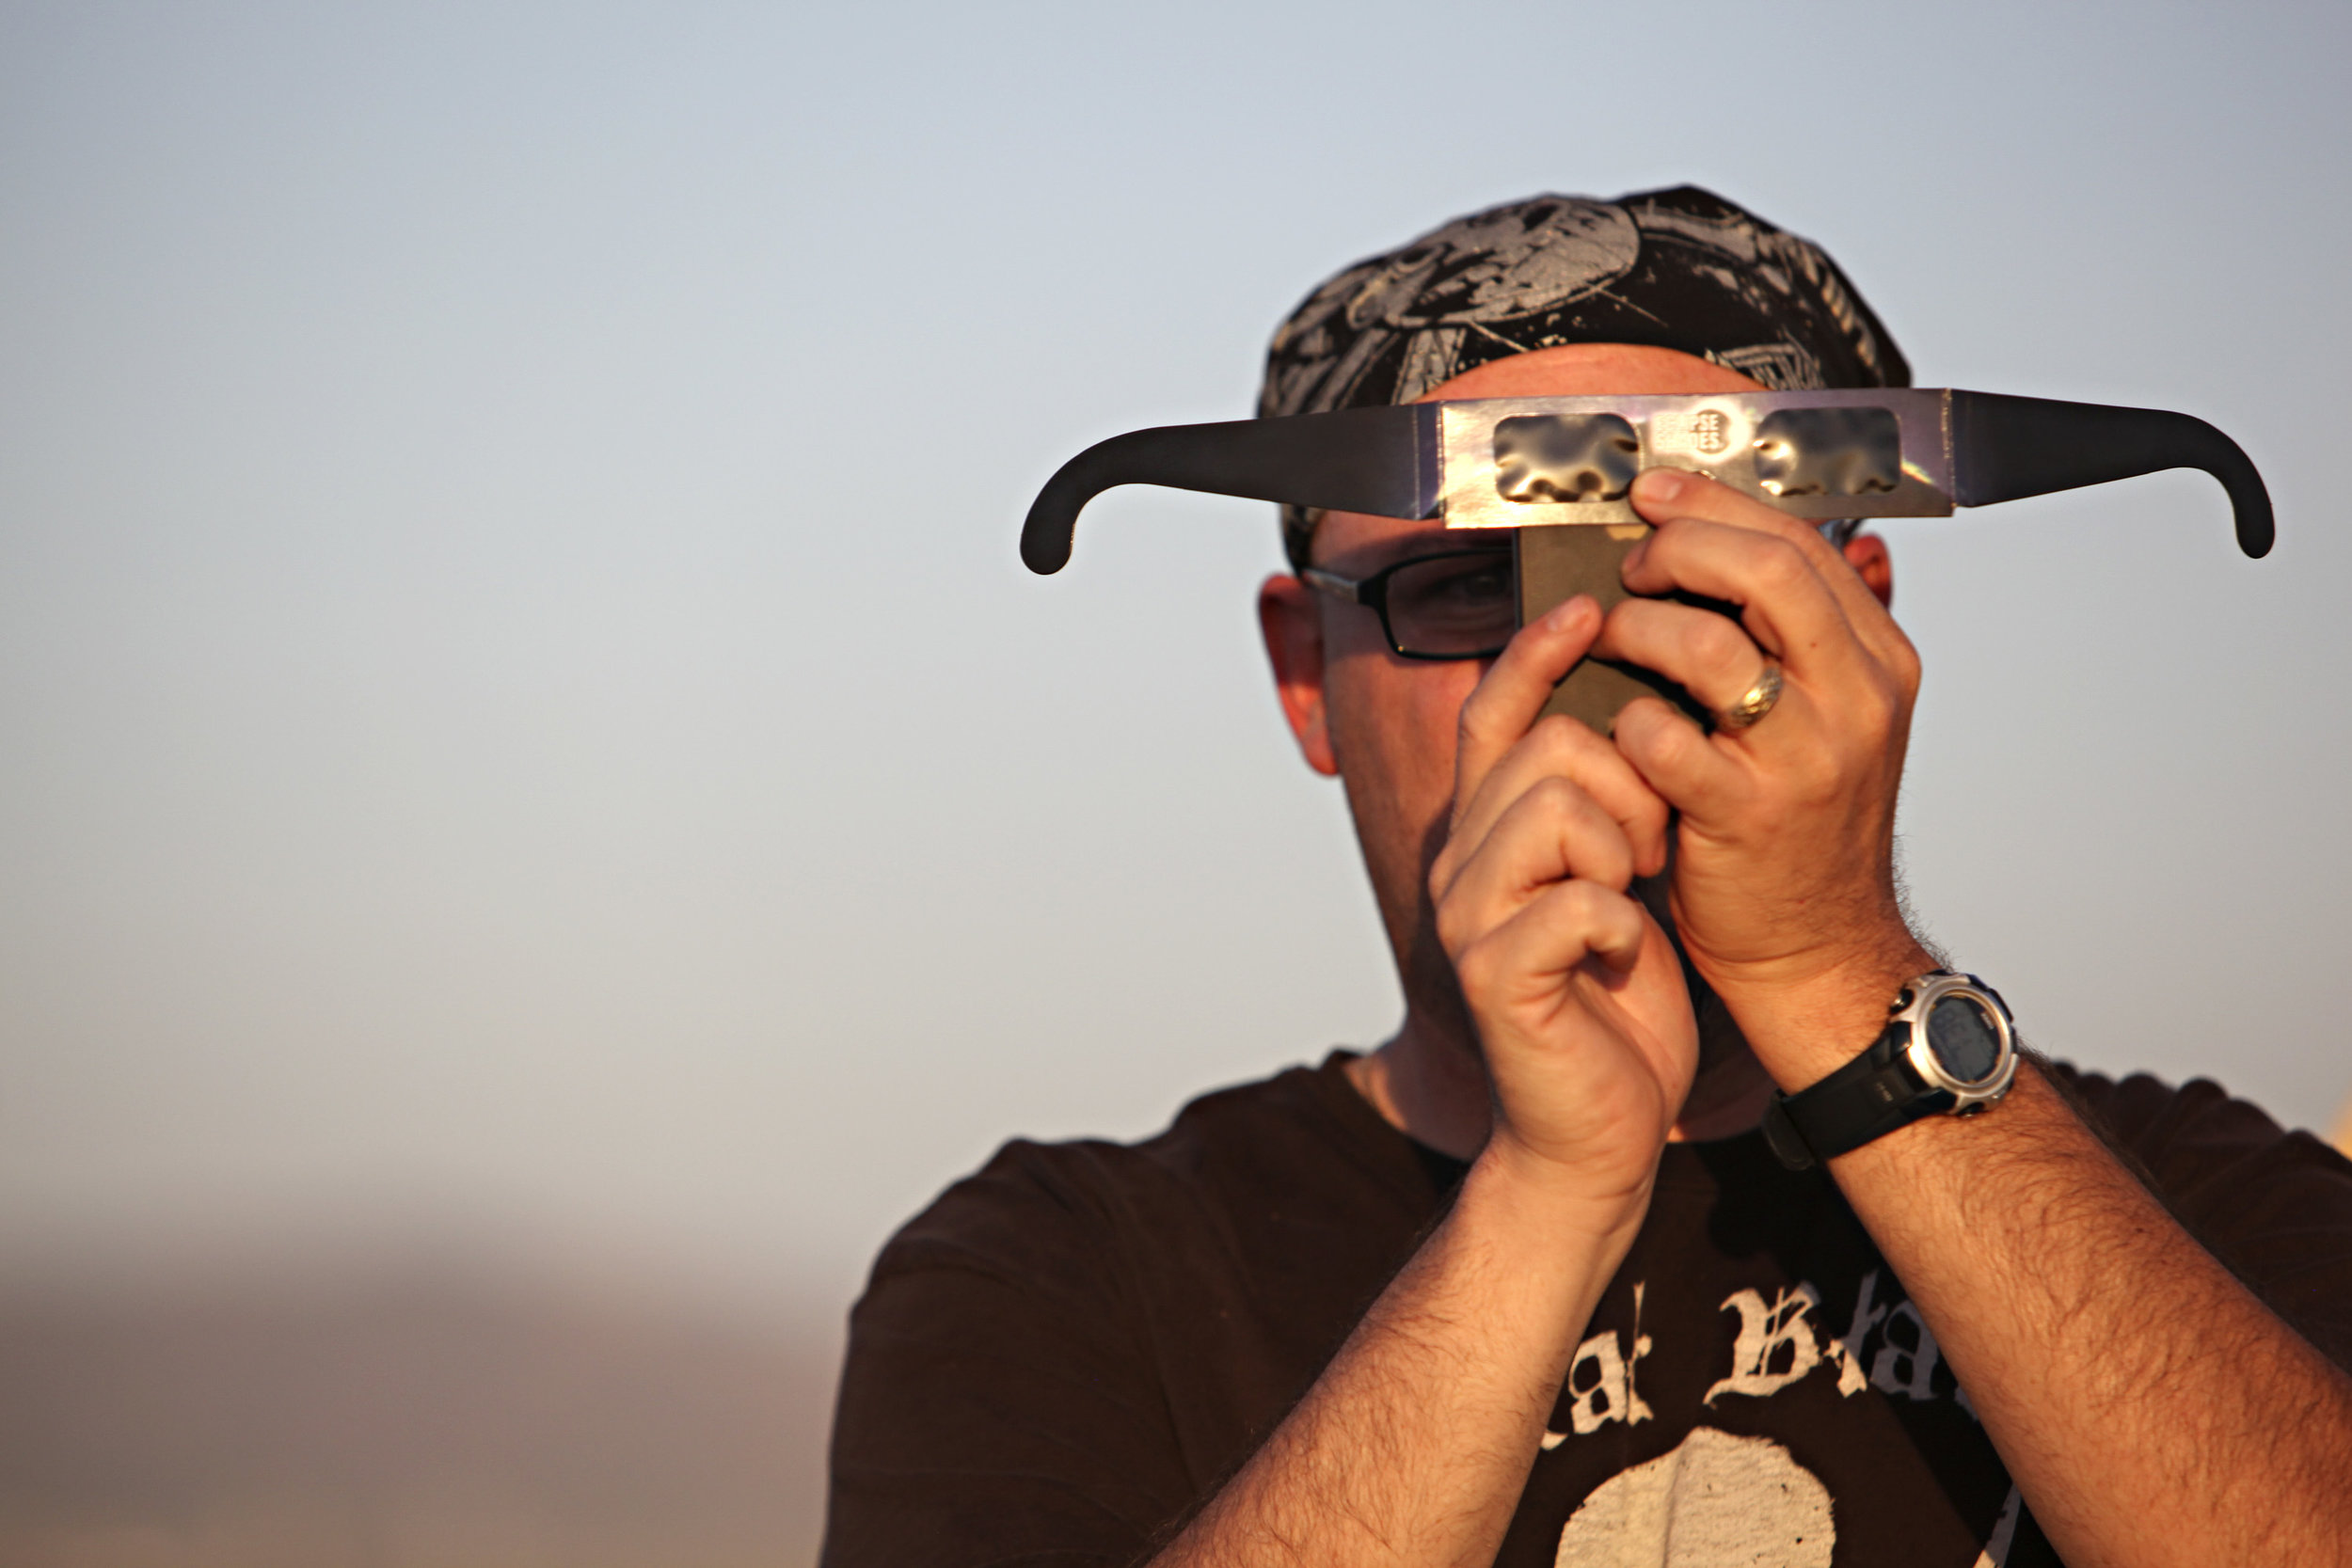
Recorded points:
(1866, 554)
(1292, 623)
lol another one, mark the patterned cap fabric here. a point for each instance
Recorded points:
(1680, 269)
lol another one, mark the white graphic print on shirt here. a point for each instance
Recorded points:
(1720, 1499)
(1715, 1501)
(1778, 1345)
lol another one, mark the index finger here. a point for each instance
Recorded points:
(1511, 697)
(1662, 495)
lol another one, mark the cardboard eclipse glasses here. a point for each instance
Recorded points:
(1539, 462)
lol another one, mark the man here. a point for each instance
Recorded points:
(1525, 1285)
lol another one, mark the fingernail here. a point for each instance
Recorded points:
(1660, 484)
(1560, 617)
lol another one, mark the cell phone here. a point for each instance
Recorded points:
(1555, 564)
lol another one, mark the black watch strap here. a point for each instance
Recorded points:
(1868, 1097)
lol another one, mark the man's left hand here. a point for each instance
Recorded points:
(1783, 886)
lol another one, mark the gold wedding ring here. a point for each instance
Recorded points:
(1756, 702)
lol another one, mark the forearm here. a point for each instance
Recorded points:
(2151, 1410)
(1414, 1445)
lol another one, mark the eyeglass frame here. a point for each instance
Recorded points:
(1372, 593)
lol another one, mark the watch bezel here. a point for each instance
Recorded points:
(1967, 1096)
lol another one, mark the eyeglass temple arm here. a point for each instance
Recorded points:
(2004, 448)
(1380, 461)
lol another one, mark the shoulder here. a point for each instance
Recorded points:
(1272, 1140)
(2196, 1140)
(1005, 1394)
(2275, 1204)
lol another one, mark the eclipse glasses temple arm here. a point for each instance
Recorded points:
(2004, 448)
(1380, 461)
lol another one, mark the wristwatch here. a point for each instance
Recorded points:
(1947, 1048)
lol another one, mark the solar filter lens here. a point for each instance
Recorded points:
(1565, 457)
(1829, 452)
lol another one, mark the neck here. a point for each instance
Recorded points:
(1428, 1081)
(1430, 1085)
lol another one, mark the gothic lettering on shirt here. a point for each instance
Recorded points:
(1782, 1339)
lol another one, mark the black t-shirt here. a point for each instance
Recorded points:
(1071, 1349)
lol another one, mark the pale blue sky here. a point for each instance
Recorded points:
(519, 713)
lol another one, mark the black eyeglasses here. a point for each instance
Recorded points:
(1453, 604)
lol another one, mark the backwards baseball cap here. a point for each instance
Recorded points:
(1680, 269)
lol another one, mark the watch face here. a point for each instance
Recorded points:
(1966, 1043)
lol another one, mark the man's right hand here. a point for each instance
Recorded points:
(1581, 1010)
(1586, 1027)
